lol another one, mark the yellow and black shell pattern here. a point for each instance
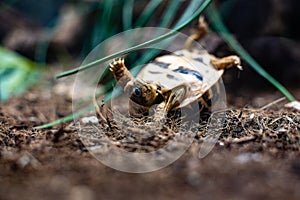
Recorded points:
(192, 68)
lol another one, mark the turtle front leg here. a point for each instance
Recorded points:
(226, 62)
(131, 87)
(121, 74)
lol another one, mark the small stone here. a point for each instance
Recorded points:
(90, 120)
(81, 193)
(24, 161)
(247, 157)
(294, 105)
(282, 130)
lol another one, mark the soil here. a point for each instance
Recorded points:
(256, 157)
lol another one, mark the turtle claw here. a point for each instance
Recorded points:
(120, 72)
(116, 64)
(226, 62)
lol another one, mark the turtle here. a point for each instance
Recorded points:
(173, 81)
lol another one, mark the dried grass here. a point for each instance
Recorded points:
(267, 128)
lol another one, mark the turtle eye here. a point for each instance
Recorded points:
(137, 92)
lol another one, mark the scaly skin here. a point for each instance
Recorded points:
(226, 62)
(120, 72)
(143, 95)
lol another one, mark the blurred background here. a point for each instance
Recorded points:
(35, 33)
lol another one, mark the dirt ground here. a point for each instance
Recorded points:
(248, 162)
(256, 156)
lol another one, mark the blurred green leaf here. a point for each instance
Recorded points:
(16, 73)
(128, 14)
(147, 13)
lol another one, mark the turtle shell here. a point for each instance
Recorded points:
(192, 68)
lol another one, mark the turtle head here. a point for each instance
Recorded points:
(143, 93)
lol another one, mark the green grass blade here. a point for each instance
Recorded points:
(192, 7)
(167, 19)
(169, 14)
(186, 15)
(127, 14)
(142, 45)
(178, 27)
(104, 23)
(147, 13)
(219, 26)
(67, 118)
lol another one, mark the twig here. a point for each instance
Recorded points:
(272, 103)
(242, 140)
